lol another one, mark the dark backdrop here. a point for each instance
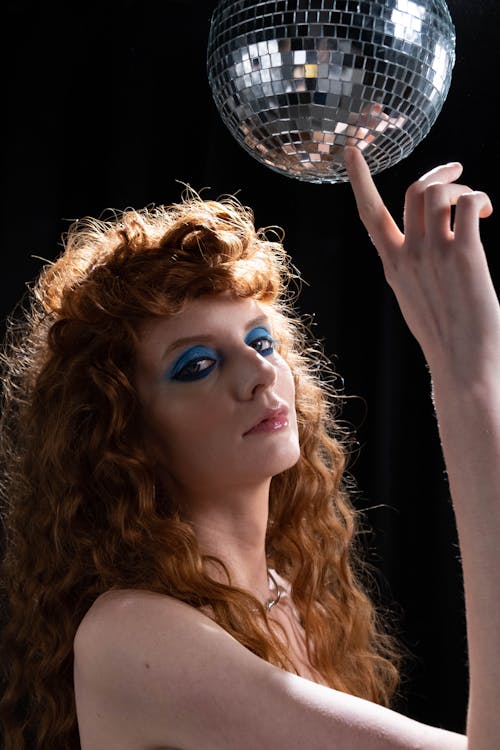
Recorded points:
(107, 104)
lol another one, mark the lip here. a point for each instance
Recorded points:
(271, 421)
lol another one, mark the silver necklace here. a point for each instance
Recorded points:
(274, 600)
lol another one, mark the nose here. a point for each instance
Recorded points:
(253, 374)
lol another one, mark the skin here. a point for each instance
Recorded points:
(144, 685)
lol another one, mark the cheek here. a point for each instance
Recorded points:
(288, 392)
(180, 429)
(286, 381)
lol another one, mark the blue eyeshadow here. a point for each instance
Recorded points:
(190, 356)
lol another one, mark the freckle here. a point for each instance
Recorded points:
(147, 666)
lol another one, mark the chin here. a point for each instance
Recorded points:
(289, 465)
(282, 461)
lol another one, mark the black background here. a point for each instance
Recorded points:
(108, 105)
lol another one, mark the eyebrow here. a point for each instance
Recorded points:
(202, 337)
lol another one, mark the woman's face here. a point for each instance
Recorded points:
(219, 401)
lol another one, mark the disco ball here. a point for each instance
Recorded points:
(297, 80)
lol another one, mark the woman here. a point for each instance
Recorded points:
(179, 529)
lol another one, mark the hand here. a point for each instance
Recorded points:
(437, 271)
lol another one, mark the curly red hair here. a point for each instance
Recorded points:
(83, 511)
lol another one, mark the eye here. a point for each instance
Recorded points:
(195, 370)
(264, 345)
(261, 340)
(194, 364)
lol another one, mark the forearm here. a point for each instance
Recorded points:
(469, 424)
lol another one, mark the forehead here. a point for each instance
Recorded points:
(208, 315)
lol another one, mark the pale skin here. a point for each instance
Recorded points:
(168, 677)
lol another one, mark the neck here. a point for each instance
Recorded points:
(233, 529)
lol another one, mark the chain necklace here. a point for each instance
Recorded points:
(274, 600)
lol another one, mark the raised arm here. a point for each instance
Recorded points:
(441, 280)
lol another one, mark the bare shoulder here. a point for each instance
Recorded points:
(177, 679)
(125, 628)
(132, 604)
(142, 632)
(113, 651)
(130, 629)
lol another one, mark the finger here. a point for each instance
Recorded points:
(443, 173)
(381, 227)
(438, 200)
(470, 208)
(414, 211)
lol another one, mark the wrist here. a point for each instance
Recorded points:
(475, 376)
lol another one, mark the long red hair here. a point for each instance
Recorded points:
(83, 511)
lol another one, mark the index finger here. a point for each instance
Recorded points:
(381, 227)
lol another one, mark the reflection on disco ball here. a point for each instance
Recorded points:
(297, 80)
